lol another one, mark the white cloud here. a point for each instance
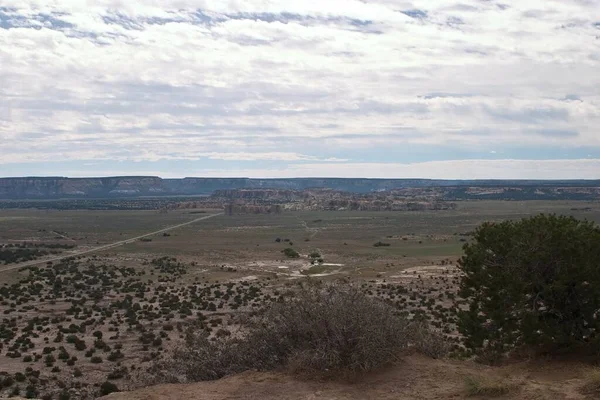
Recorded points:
(259, 80)
(456, 169)
(459, 169)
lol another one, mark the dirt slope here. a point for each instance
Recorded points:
(416, 378)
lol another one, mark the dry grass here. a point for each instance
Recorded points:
(488, 387)
(428, 342)
(591, 384)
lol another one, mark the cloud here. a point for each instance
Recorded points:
(418, 14)
(276, 156)
(560, 133)
(458, 169)
(293, 81)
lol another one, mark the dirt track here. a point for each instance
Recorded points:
(105, 246)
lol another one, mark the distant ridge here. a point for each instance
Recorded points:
(135, 186)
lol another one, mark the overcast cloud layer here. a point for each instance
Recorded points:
(382, 88)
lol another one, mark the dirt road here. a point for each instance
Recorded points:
(105, 246)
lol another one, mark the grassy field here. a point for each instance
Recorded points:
(341, 237)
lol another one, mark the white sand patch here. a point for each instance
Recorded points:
(246, 278)
(325, 274)
(428, 271)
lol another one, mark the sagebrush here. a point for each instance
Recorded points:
(323, 329)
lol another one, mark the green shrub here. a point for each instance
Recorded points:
(108, 388)
(8, 381)
(31, 392)
(115, 355)
(290, 253)
(533, 282)
(64, 395)
(381, 244)
(49, 360)
(80, 345)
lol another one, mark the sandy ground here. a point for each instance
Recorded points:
(416, 377)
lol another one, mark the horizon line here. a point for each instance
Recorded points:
(296, 177)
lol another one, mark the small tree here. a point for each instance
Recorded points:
(290, 253)
(108, 388)
(534, 282)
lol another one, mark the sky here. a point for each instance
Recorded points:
(450, 89)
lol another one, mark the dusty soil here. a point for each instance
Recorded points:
(416, 377)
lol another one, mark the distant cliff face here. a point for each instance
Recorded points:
(127, 186)
(135, 186)
(48, 188)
